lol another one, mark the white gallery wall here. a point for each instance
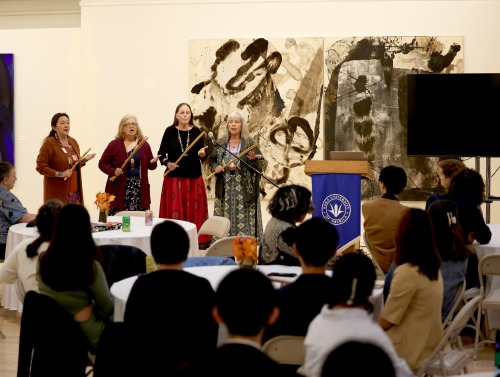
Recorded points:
(132, 57)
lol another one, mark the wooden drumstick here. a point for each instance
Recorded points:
(78, 162)
(186, 151)
(234, 159)
(134, 151)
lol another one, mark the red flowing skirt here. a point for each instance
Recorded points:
(185, 199)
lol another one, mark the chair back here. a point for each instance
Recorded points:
(122, 261)
(378, 269)
(222, 247)
(51, 342)
(131, 213)
(217, 226)
(285, 349)
(456, 303)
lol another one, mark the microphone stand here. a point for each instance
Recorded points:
(252, 169)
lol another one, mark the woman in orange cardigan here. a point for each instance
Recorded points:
(58, 154)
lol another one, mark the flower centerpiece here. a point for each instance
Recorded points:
(103, 202)
(245, 251)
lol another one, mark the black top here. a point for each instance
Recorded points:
(169, 313)
(189, 166)
(299, 303)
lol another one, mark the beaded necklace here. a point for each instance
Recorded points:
(180, 141)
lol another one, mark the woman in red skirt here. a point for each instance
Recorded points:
(183, 196)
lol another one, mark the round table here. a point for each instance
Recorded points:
(139, 236)
(214, 274)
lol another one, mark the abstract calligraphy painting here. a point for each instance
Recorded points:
(365, 103)
(7, 107)
(276, 84)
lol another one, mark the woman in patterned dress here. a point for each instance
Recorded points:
(237, 185)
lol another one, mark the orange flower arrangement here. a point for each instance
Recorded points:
(103, 201)
(245, 248)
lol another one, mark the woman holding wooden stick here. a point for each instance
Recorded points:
(237, 186)
(126, 161)
(183, 195)
(56, 160)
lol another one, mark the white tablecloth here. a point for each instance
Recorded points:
(139, 236)
(214, 274)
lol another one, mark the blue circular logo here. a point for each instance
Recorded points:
(336, 209)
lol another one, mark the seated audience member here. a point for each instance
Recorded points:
(382, 216)
(20, 266)
(316, 241)
(11, 209)
(446, 170)
(245, 303)
(289, 205)
(467, 190)
(348, 317)
(70, 273)
(169, 311)
(411, 315)
(358, 359)
(451, 248)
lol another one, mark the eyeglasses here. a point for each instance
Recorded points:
(130, 124)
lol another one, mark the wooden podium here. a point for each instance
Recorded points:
(336, 187)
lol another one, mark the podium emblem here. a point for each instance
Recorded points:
(336, 209)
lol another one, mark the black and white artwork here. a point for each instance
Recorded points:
(365, 100)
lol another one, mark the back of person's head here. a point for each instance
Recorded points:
(467, 184)
(450, 166)
(68, 263)
(352, 281)
(45, 222)
(169, 243)
(357, 359)
(316, 241)
(245, 300)
(447, 231)
(415, 243)
(291, 203)
(394, 179)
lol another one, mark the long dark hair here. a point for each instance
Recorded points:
(415, 243)
(53, 122)
(45, 221)
(447, 231)
(68, 263)
(352, 281)
(467, 184)
(176, 121)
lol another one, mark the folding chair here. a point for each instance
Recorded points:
(446, 361)
(456, 303)
(222, 247)
(378, 269)
(488, 266)
(285, 349)
(216, 226)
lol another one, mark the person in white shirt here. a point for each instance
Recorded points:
(20, 266)
(347, 317)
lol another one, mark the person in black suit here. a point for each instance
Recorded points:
(315, 242)
(169, 311)
(246, 304)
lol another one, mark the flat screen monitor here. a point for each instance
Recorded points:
(453, 115)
